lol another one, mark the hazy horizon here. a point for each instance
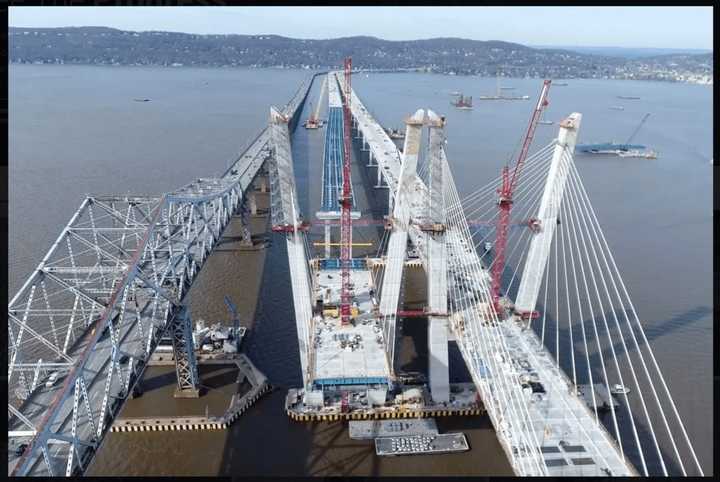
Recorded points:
(677, 28)
(581, 48)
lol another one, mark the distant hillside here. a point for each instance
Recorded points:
(627, 52)
(107, 46)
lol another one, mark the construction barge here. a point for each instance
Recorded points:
(422, 444)
(625, 149)
(213, 345)
(349, 374)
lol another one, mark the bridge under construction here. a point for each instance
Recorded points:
(115, 280)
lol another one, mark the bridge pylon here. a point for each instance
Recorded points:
(438, 365)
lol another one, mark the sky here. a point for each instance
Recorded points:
(644, 27)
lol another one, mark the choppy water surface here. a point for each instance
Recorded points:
(76, 130)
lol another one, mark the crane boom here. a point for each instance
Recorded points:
(233, 309)
(346, 202)
(505, 199)
(637, 129)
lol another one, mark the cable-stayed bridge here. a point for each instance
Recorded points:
(114, 281)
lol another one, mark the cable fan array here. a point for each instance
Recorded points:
(586, 317)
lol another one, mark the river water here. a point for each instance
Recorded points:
(76, 130)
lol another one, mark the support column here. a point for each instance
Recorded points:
(327, 240)
(188, 380)
(253, 203)
(547, 216)
(397, 244)
(438, 365)
(263, 184)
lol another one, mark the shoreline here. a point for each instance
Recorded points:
(414, 70)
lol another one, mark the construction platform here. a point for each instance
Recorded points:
(250, 384)
(411, 402)
(354, 353)
(371, 429)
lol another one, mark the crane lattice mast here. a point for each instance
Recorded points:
(637, 129)
(346, 202)
(505, 199)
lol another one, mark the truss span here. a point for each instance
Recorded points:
(82, 327)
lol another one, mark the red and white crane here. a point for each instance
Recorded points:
(505, 198)
(346, 202)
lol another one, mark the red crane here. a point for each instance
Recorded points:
(346, 202)
(505, 199)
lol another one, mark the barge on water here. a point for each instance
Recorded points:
(422, 444)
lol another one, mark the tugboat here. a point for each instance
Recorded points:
(464, 103)
(618, 389)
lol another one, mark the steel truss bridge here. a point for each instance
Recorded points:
(113, 285)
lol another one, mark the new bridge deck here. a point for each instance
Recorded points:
(569, 440)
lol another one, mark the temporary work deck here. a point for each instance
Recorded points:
(352, 354)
